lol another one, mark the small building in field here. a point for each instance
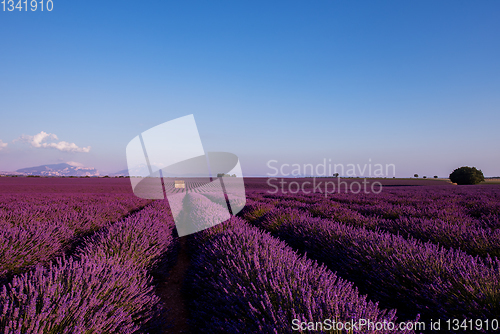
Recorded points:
(180, 184)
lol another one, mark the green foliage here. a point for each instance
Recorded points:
(467, 175)
(415, 175)
(435, 176)
(225, 175)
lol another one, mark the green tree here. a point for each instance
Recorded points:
(415, 175)
(466, 175)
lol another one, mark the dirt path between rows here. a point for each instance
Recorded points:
(170, 291)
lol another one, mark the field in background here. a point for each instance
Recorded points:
(85, 255)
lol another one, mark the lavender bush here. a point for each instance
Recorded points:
(104, 288)
(36, 228)
(242, 280)
(404, 273)
(444, 218)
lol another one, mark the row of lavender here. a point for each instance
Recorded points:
(36, 228)
(479, 205)
(242, 280)
(465, 218)
(403, 273)
(105, 288)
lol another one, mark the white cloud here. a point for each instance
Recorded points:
(2, 145)
(38, 141)
(65, 146)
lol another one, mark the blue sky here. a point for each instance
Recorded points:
(415, 84)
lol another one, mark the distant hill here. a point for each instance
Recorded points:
(62, 169)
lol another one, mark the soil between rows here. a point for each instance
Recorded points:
(170, 291)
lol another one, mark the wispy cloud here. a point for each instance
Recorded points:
(74, 164)
(2, 145)
(39, 140)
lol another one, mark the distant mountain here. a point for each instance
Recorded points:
(62, 169)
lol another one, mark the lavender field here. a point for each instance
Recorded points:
(87, 256)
